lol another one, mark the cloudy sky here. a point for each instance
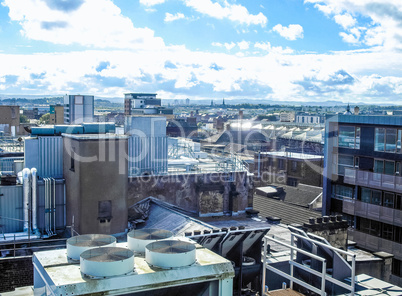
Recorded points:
(282, 50)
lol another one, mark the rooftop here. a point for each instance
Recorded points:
(290, 214)
(293, 155)
(64, 276)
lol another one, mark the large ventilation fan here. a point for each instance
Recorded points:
(78, 244)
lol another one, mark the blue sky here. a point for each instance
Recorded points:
(273, 50)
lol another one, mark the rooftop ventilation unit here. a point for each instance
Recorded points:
(106, 262)
(170, 253)
(78, 244)
(138, 239)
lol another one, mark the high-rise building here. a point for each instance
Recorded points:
(138, 103)
(78, 109)
(362, 180)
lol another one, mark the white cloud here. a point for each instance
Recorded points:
(96, 23)
(292, 32)
(383, 26)
(349, 38)
(228, 46)
(266, 46)
(263, 45)
(233, 12)
(345, 20)
(151, 2)
(243, 45)
(173, 17)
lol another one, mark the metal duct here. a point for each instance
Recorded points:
(26, 173)
(34, 200)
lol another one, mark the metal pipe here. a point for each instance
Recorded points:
(65, 218)
(49, 184)
(26, 173)
(45, 208)
(34, 197)
(54, 205)
(264, 266)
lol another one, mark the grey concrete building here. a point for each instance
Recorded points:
(78, 109)
(95, 170)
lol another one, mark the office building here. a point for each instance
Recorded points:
(78, 109)
(56, 114)
(362, 181)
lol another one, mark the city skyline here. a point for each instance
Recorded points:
(312, 50)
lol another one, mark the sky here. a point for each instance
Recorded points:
(272, 50)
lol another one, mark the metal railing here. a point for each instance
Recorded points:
(27, 247)
(321, 274)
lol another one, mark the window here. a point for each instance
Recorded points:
(349, 137)
(386, 140)
(396, 267)
(104, 211)
(384, 167)
(365, 195)
(388, 200)
(341, 191)
(281, 165)
(369, 226)
(387, 231)
(72, 161)
(294, 165)
(370, 196)
(344, 161)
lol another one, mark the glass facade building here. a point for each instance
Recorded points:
(363, 182)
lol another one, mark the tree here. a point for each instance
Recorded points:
(45, 119)
(24, 119)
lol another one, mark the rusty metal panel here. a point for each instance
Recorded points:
(50, 157)
(11, 209)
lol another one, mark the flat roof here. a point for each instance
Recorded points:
(81, 137)
(293, 155)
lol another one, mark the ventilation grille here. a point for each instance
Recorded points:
(139, 238)
(170, 253)
(106, 262)
(78, 244)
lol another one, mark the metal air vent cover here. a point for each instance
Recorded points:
(137, 239)
(170, 253)
(78, 244)
(107, 261)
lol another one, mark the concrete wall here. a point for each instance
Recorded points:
(307, 172)
(15, 272)
(202, 194)
(99, 176)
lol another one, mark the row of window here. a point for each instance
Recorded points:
(380, 166)
(385, 139)
(368, 195)
(379, 229)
